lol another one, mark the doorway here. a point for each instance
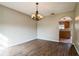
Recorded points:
(65, 30)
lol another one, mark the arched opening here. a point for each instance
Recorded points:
(65, 31)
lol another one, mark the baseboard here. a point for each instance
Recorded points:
(48, 40)
(20, 43)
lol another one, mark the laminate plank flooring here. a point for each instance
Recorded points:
(39, 47)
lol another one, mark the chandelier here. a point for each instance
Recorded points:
(36, 16)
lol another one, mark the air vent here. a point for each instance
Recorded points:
(52, 13)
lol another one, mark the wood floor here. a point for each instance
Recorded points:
(43, 48)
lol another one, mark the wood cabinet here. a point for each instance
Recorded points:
(66, 24)
(64, 34)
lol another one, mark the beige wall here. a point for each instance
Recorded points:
(16, 27)
(48, 28)
(76, 40)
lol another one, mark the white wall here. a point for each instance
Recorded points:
(16, 27)
(48, 28)
(76, 40)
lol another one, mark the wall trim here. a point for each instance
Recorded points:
(76, 48)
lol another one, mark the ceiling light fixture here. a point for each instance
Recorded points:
(36, 16)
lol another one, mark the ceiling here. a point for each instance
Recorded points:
(45, 8)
